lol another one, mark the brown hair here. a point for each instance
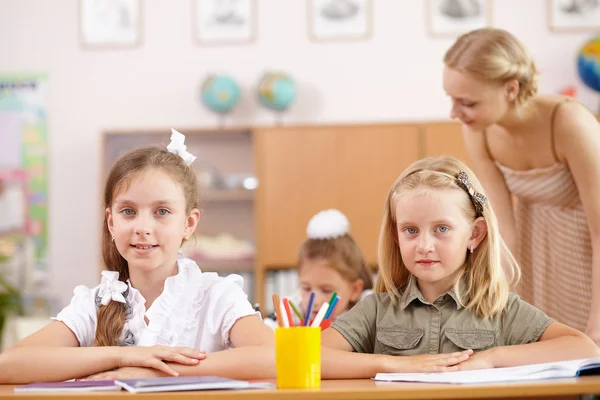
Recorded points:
(111, 318)
(342, 254)
(497, 56)
(487, 286)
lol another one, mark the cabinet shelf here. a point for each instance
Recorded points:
(226, 195)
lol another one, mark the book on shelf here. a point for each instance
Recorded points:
(551, 370)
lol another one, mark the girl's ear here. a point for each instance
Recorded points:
(191, 222)
(357, 289)
(478, 233)
(109, 220)
(511, 90)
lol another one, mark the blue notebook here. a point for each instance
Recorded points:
(183, 383)
(69, 386)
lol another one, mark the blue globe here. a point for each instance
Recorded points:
(276, 91)
(220, 93)
(588, 63)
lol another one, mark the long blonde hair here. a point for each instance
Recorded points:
(494, 55)
(487, 286)
(111, 317)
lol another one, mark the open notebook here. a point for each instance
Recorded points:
(181, 383)
(166, 384)
(562, 369)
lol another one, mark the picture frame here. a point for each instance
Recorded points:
(222, 22)
(451, 18)
(573, 16)
(340, 20)
(110, 23)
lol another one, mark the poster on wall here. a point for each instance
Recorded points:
(24, 156)
(574, 15)
(339, 20)
(110, 23)
(224, 21)
(450, 18)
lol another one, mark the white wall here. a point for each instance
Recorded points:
(394, 76)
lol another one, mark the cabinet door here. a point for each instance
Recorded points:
(444, 139)
(369, 159)
(296, 171)
(308, 169)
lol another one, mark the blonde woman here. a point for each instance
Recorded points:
(538, 157)
(442, 301)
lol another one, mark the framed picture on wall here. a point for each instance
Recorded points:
(450, 18)
(224, 21)
(110, 23)
(574, 15)
(338, 20)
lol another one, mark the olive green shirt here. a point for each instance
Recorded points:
(416, 326)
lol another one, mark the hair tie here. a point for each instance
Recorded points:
(111, 288)
(328, 224)
(177, 147)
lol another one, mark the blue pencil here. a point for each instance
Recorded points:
(311, 300)
(331, 308)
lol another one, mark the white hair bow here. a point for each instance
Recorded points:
(177, 147)
(328, 224)
(111, 288)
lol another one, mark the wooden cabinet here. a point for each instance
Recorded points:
(444, 138)
(303, 170)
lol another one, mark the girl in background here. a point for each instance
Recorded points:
(329, 261)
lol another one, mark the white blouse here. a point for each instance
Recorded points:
(196, 309)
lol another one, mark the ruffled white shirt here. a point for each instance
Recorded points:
(196, 309)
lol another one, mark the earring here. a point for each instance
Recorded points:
(471, 249)
(185, 238)
(113, 239)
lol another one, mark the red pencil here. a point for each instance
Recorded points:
(288, 310)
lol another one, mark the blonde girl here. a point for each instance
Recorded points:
(442, 300)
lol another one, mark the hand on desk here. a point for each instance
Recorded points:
(428, 362)
(155, 356)
(479, 360)
(125, 373)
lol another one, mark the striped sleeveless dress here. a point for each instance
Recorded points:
(553, 243)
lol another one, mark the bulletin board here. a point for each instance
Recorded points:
(24, 152)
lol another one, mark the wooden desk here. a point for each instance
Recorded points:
(363, 389)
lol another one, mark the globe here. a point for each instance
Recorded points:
(276, 91)
(588, 63)
(220, 93)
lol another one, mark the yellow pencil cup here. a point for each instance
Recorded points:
(298, 357)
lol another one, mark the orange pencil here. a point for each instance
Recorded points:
(277, 304)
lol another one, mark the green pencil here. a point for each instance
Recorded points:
(296, 311)
(333, 296)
